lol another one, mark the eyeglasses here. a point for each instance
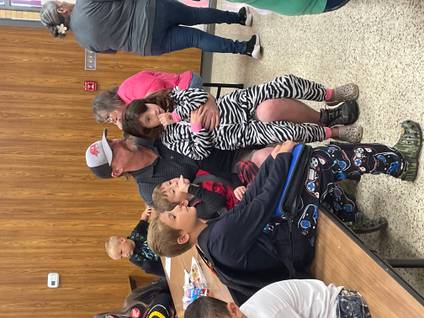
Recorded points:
(109, 119)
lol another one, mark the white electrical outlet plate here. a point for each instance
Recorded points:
(90, 60)
(53, 280)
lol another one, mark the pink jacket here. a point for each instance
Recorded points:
(145, 82)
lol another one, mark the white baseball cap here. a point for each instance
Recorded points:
(99, 157)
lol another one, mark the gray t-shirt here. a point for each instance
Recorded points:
(108, 26)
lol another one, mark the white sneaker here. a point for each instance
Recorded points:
(249, 17)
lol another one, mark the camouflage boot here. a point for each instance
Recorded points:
(409, 146)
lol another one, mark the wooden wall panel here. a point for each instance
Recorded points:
(54, 214)
(19, 15)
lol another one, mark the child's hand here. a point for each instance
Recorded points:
(182, 186)
(286, 146)
(239, 192)
(197, 116)
(145, 215)
(166, 119)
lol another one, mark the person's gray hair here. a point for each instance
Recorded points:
(106, 102)
(53, 20)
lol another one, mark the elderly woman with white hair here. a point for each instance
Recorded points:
(145, 27)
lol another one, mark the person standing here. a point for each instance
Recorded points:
(145, 27)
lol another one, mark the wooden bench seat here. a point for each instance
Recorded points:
(340, 259)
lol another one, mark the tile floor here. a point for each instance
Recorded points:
(377, 44)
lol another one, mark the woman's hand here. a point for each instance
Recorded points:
(286, 146)
(196, 117)
(239, 192)
(211, 117)
(166, 119)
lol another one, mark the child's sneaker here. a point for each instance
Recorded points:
(364, 224)
(409, 145)
(253, 47)
(352, 133)
(246, 17)
(344, 114)
(344, 93)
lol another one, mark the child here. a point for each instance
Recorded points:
(212, 199)
(135, 248)
(209, 204)
(108, 105)
(150, 301)
(246, 258)
(210, 196)
(304, 298)
(238, 128)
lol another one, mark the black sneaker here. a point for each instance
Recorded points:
(253, 47)
(345, 114)
(364, 224)
(246, 17)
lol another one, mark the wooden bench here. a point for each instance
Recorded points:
(342, 259)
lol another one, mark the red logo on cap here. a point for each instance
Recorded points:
(94, 149)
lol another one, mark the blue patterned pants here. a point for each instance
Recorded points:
(333, 163)
(351, 305)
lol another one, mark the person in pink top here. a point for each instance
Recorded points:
(145, 82)
(108, 105)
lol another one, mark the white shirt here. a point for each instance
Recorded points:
(295, 298)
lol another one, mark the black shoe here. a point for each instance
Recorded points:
(246, 16)
(345, 114)
(253, 47)
(364, 224)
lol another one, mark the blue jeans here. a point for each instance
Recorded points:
(196, 81)
(169, 34)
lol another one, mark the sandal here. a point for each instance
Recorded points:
(344, 93)
(352, 133)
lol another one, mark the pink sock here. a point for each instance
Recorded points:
(327, 132)
(329, 92)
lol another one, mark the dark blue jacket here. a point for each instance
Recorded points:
(246, 258)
